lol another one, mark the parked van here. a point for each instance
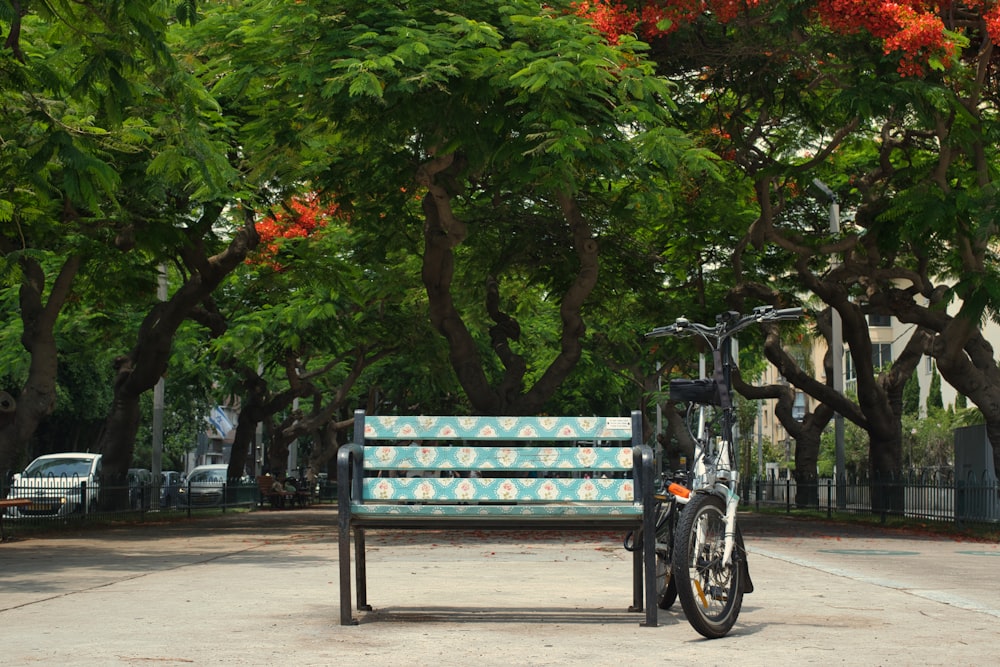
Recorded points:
(57, 485)
(140, 488)
(170, 482)
(204, 486)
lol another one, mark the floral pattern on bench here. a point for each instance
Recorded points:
(419, 457)
(503, 489)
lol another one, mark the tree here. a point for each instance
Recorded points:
(137, 371)
(808, 430)
(509, 133)
(901, 88)
(294, 341)
(67, 94)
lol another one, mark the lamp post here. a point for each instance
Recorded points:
(837, 352)
(158, 405)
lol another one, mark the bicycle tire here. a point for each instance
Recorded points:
(710, 594)
(666, 594)
(666, 587)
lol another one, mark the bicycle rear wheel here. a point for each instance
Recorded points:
(711, 593)
(666, 587)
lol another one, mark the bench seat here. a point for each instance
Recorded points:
(582, 510)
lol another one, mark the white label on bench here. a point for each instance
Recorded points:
(618, 423)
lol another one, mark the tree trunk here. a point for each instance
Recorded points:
(681, 445)
(140, 370)
(243, 439)
(808, 432)
(965, 359)
(277, 451)
(967, 363)
(322, 456)
(442, 233)
(37, 397)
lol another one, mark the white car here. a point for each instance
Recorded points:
(57, 485)
(203, 486)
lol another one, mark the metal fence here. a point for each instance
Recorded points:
(48, 501)
(51, 502)
(973, 499)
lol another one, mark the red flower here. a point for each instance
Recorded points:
(301, 217)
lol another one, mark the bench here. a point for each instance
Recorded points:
(545, 473)
(10, 502)
(304, 497)
(278, 500)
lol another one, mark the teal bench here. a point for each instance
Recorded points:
(545, 473)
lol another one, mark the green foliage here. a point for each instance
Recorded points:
(911, 396)
(929, 443)
(746, 421)
(856, 446)
(935, 401)
(183, 422)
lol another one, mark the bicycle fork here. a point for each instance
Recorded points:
(730, 544)
(732, 501)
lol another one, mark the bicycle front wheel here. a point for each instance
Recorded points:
(710, 593)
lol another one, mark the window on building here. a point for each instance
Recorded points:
(881, 355)
(879, 320)
(799, 406)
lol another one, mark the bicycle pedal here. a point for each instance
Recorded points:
(718, 593)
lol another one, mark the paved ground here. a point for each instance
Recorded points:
(261, 589)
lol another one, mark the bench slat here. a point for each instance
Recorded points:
(501, 489)
(389, 427)
(417, 457)
(584, 510)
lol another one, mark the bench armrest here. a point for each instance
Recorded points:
(642, 464)
(350, 474)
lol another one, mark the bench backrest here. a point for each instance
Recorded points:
(264, 483)
(519, 459)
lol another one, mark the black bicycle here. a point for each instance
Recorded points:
(699, 549)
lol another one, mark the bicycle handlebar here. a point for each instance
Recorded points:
(727, 324)
(786, 314)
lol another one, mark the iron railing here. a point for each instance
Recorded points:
(932, 497)
(70, 500)
(55, 502)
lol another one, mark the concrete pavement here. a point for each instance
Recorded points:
(261, 589)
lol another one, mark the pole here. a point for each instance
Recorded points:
(760, 439)
(158, 401)
(658, 438)
(837, 352)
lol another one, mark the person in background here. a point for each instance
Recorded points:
(278, 493)
(291, 490)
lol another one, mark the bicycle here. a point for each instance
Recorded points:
(699, 547)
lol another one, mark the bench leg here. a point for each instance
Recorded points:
(361, 569)
(649, 556)
(344, 556)
(637, 590)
